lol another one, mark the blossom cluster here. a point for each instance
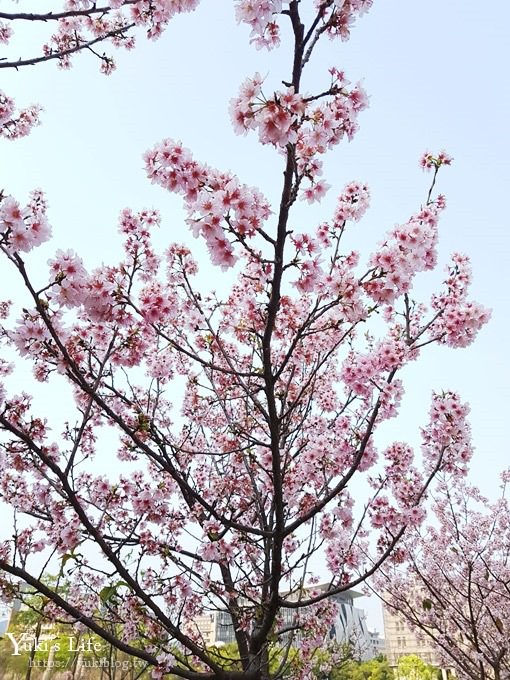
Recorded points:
(23, 228)
(220, 209)
(14, 125)
(429, 161)
(262, 17)
(459, 319)
(276, 119)
(361, 372)
(288, 117)
(408, 249)
(447, 438)
(352, 203)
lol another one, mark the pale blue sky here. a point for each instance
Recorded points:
(436, 73)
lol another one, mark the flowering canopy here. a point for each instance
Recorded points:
(454, 585)
(226, 501)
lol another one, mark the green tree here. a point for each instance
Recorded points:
(411, 667)
(26, 646)
(375, 669)
(33, 650)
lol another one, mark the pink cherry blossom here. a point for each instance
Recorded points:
(451, 586)
(15, 124)
(218, 435)
(22, 229)
(429, 161)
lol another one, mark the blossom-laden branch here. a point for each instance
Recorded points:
(453, 585)
(15, 124)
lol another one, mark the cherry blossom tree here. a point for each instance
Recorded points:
(454, 586)
(229, 498)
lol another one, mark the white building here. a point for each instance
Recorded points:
(5, 615)
(349, 626)
(377, 644)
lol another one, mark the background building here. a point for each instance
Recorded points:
(5, 614)
(349, 626)
(207, 625)
(377, 644)
(401, 640)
